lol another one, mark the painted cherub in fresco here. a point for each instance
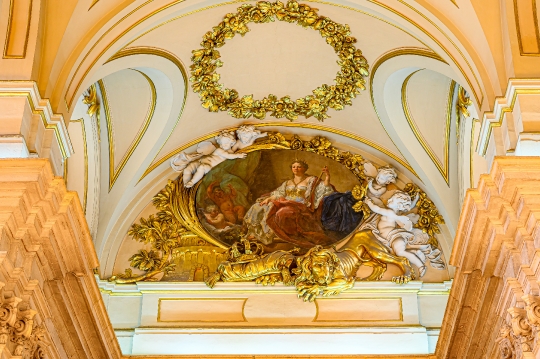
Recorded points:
(377, 186)
(195, 166)
(247, 134)
(396, 230)
(225, 201)
(215, 217)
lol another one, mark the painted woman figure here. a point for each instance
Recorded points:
(292, 212)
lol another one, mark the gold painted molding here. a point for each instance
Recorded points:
(505, 109)
(479, 100)
(94, 2)
(313, 126)
(443, 167)
(109, 45)
(8, 32)
(41, 114)
(160, 300)
(85, 193)
(145, 50)
(518, 30)
(317, 300)
(402, 51)
(114, 172)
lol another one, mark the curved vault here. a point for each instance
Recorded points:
(376, 125)
(140, 64)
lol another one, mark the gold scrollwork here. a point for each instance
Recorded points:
(176, 229)
(91, 99)
(430, 219)
(463, 102)
(349, 81)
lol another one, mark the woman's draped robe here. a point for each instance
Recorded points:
(293, 216)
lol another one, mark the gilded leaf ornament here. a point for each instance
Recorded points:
(215, 97)
(176, 236)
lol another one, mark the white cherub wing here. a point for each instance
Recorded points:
(205, 148)
(370, 170)
(180, 161)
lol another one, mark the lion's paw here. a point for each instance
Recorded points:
(269, 279)
(402, 279)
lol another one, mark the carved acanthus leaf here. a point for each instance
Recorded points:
(521, 329)
(533, 309)
(505, 342)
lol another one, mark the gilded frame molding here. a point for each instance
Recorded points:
(518, 29)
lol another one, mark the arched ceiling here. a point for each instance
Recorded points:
(140, 61)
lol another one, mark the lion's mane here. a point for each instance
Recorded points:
(303, 271)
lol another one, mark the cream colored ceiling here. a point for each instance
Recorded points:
(430, 122)
(276, 58)
(126, 121)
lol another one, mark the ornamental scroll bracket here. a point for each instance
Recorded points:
(521, 329)
(19, 336)
(519, 338)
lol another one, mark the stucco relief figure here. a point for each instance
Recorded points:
(378, 180)
(195, 166)
(247, 134)
(393, 227)
(291, 213)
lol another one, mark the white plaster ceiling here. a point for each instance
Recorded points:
(431, 121)
(277, 58)
(127, 118)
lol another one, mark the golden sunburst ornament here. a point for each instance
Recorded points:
(348, 83)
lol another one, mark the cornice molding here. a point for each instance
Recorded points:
(503, 105)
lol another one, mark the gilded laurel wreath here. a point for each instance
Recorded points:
(348, 83)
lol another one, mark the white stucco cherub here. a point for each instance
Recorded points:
(395, 230)
(247, 134)
(379, 179)
(195, 166)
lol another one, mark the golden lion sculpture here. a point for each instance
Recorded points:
(320, 271)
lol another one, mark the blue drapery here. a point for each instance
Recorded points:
(337, 213)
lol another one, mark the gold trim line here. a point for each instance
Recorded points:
(85, 194)
(114, 173)
(442, 167)
(8, 33)
(400, 301)
(144, 50)
(159, 320)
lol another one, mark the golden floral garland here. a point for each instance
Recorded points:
(349, 81)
